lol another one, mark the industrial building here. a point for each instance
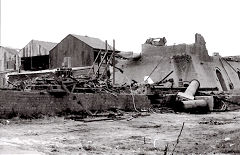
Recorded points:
(35, 55)
(9, 60)
(77, 51)
(187, 61)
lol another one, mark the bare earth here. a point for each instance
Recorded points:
(202, 134)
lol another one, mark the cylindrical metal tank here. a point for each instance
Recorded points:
(194, 104)
(191, 90)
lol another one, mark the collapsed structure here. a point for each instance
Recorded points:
(187, 62)
(82, 74)
(78, 80)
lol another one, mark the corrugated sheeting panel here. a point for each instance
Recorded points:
(36, 48)
(93, 42)
(81, 54)
(8, 58)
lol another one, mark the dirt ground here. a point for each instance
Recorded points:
(202, 134)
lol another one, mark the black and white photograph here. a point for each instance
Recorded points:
(119, 77)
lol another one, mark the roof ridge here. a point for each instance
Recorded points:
(43, 41)
(86, 36)
(93, 42)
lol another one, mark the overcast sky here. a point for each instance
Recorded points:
(129, 22)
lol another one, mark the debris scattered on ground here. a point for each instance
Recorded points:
(4, 122)
(212, 122)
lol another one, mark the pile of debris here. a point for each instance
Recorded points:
(156, 41)
(163, 96)
(189, 102)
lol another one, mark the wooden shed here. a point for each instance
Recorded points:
(77, 51)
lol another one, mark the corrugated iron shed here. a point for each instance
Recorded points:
(37, 48)
(11, 50)
(93, 42)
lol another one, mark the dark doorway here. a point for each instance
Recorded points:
(221, 80)
(35, 63)
(238, 74)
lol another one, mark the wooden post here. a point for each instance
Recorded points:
(0, 23)
(106, 50)
(102, 61)
(113, 62)
(30, 53)
(95, 60)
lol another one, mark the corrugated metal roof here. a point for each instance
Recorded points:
(11, 50)
(37, 48)
(47, 45)
(93, 42)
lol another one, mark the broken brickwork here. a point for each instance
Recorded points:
(34, 104)
(188, 61)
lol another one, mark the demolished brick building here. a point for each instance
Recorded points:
(182, 63)
(187, 61)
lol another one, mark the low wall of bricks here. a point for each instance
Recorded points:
(33, 104)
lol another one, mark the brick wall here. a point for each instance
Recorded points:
(32, 104)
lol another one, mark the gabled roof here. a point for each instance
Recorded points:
(37, 48)
(11, 50)
(93, 42)
(45, 44)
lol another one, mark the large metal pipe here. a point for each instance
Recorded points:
(191, 90)
(194, 104)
